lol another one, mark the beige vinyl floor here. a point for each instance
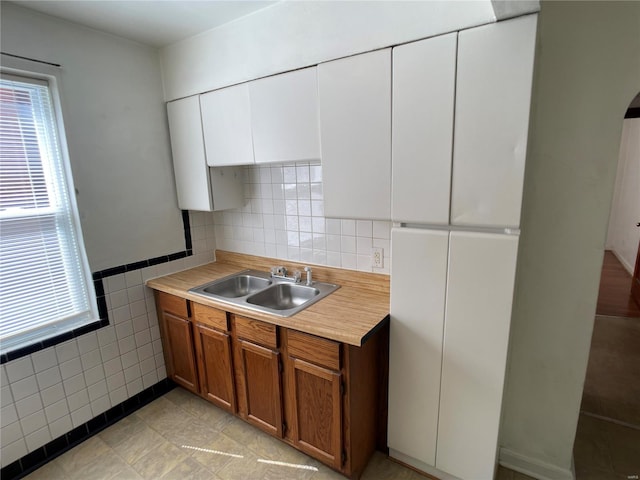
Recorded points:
(181, 436)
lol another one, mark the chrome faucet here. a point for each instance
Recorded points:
(308, 270)
(281, 272)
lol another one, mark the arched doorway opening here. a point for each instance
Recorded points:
(608, 436)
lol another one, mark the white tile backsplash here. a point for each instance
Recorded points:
(283, 217)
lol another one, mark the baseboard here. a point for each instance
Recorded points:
(533, 467)
(627, 266)
(57, 447)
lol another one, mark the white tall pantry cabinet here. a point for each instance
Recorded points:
(453, 270)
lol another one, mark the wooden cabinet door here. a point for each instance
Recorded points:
(215, 367)
(318, 411)
(261, 382)
(226, 125)
(355, 123)
(187, 148)
(424, 78)
(284, 117)
(179, 344)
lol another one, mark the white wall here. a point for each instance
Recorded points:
(586, 73)
(117, 134)
(291, 35)
(624, 235)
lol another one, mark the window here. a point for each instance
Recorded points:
(45, 283)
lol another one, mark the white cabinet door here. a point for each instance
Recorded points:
(424, 76)
(284, 117)
(493, 92)
(355, 134)
(478, 314)
(189, 161)
(418, 283)
(226, 123)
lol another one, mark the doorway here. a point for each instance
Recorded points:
(607, 443)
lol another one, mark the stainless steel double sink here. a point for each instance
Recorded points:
(256, 290)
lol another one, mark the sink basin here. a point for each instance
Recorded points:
(284, 296)
(256, 290)
(237, 286)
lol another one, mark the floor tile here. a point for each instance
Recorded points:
(189, 469)
(244, 468)
(77, 458)
(138, 444)
(50, 471)
(159, 461)
(218, 451)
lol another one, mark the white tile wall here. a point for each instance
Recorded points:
(283, 217)
(48, 393)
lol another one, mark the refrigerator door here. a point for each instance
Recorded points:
(418, 283)
(476, 335)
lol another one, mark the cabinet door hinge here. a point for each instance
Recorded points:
(342, 388)
(343, 457)
(284, 427)
(280, 368)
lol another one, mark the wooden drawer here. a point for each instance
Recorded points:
(211, 317)
(314, 349)
(255, 331)
(172, 304)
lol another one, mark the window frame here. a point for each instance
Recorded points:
(56, 333)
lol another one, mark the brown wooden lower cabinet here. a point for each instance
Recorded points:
(260, 382)
(317, 403)
(323, 397)
(177, 340)
(215, 367)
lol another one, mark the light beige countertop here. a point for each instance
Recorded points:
(349, 315)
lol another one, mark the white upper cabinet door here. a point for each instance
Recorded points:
(226, 123)
(284, 117)
(189, 161)
(493, 93)
(476, 335)
(355, 134)
(424, 76)
(418, 286)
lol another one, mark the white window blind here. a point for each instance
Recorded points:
(44, 284)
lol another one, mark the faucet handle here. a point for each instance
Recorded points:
(309, 280)
(279, 271)
(297, 275)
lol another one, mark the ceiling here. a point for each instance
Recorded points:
(151, 22)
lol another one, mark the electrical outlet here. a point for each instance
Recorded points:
(377, 257)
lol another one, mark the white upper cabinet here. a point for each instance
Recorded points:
(495, 68)
(284, 117)
(355, 133)
(424, 76)
(198, 186)
(189, 161)
(480, 283)
(226, 123)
